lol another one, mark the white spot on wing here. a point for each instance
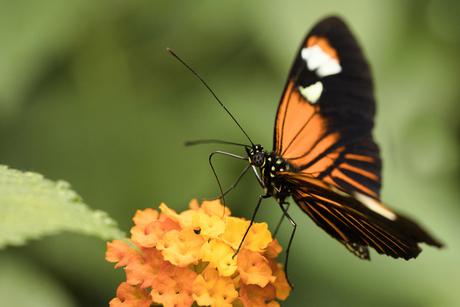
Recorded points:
(338, 191)
(315, 57)
(331, 67)
(320, 61)
(312, 92)
(375, 206)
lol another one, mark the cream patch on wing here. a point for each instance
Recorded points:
(375, 206)
(320, 61)
(320, 56)
(312, 92)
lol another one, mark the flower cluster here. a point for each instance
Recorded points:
(178, 259)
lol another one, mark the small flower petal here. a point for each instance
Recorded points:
(184, 219)
(254, 268)
(234, 231)
(181, 248)
(167, 212)
(144, 217)
(281, 284)
(131, 296)
(256, 296)
(214, 207)
(173, 287)
(154, 231)
(194, 205)
(220, 255)
(210, 226)
(273, 249)
(258, 237)
(142, 270)
(210, 289)
(120, 252)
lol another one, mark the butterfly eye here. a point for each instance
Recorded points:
(257, 159)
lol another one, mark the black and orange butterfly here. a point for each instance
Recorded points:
(324, 155)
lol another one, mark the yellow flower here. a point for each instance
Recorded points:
(181, 248)
(221, 256)
(180, 259)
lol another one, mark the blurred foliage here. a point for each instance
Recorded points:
(33, 207)
(89, 94)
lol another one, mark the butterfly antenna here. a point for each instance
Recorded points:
(209, 89)
(191, 143)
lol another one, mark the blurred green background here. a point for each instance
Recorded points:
(89, 94)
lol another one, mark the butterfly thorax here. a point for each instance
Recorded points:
(270, 164)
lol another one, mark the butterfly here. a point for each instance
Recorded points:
(324, 155)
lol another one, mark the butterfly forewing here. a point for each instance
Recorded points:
(326, 113)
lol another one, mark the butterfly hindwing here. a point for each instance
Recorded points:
(357, 220)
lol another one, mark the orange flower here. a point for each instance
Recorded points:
(180, 259)
(173, 287)
(181, 248)
(220, 255)
(120, 252)
(128, 295)
(256, 296)
(254, 268)
(149, 235)
(212, 289)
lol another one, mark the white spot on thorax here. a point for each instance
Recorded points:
(320, 61)
(312, 92)
(375, 206)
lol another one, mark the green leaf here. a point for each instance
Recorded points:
(32, 207)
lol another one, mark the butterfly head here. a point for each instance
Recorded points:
(256, 155)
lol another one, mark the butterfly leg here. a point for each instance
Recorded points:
(281, 220)
(252, 222)
(285, 214)
(215, 174)
(234, 184)
(257, 176)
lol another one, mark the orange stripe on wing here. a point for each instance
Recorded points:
(395, 243)
(344, 237)
(323, 43)
(347, 218)
(325, 162)
(338, 174)
(359, 171)
(374, 230)
(306, 209)
(327, 200)
(359, 158)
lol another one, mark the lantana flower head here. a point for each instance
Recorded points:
(177, 260)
